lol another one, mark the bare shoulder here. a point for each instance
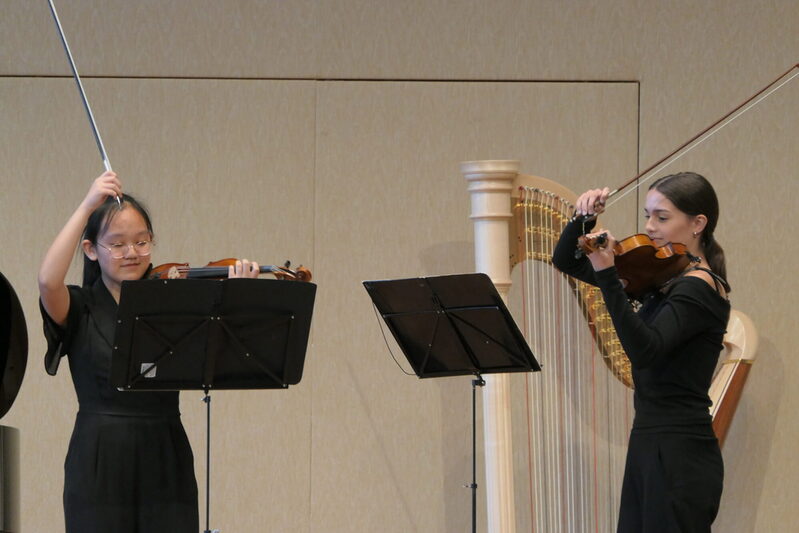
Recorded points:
(701, 274)
(706, 277)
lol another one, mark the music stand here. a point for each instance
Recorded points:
(207, 334)
(452, 326)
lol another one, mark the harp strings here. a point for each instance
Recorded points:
(577, 419)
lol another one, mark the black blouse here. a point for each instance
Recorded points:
(87, 338)
(673, 341)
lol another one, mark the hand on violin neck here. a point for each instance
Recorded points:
(244, 269)
(591, 202)
(602, 245)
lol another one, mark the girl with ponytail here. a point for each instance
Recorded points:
(674, 472)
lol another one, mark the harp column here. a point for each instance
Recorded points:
(490, 186)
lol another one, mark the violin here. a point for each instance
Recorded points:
(219, 270)
(642, 265)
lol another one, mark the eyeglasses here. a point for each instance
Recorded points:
(118, 250)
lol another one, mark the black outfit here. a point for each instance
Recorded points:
(129, 468)
(674, 471)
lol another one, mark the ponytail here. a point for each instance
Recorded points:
(714, 255)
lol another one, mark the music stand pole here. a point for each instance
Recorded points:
(477, 382)
(207, 401)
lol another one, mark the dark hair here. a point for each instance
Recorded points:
(98, 224)
(694, 195)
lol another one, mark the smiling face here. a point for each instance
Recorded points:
(665, 223)
(126, 228)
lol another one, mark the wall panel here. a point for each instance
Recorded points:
(226, 168)
(391, 203)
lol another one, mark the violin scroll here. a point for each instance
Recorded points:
(589, 245)
(299, 274)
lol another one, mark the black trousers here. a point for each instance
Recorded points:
(672, 483)
(130, 474)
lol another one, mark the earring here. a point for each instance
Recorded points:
(695, 234)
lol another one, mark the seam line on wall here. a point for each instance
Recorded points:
(375, 80)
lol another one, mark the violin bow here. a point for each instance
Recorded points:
(705, 134)
(86, 105)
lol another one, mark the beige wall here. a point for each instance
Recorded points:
(283, 158)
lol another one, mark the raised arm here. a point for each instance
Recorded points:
(55, 265)
(563, 256)
(590, 202)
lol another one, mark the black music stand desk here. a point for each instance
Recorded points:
(453, 326)
(190, 334)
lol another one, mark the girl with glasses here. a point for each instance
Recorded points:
(129, 467)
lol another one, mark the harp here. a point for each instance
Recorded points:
(740, 347)
(555, 441)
